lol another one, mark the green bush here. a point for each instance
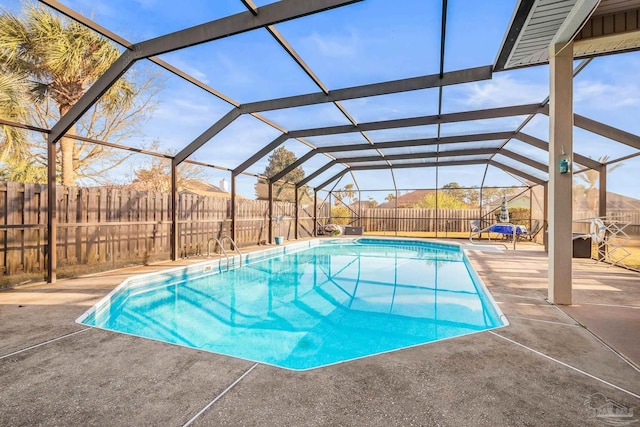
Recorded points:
(518, 216)
(340, 215)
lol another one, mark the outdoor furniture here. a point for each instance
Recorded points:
(353, 231)
(506, 230)
(536, 228)
(609, 236)
(581, 245)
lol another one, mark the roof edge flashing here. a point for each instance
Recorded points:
(518, 21)
(574, 22)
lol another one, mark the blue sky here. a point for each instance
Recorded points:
(368, 42)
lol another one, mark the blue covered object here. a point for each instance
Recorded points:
(507, 229)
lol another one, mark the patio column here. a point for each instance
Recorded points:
(602, 199)
(232, 202)
(315, 213)
(297, 210)
(175, 241)
(52, 220)
(270, 212)
(560, 184)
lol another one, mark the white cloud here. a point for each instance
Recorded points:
(335, 46)
(605, 96)
(500, 91)
(189, 69)
(146, 4)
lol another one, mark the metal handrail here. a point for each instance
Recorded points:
(224, 251)
(233, 244)
(477, 233)
(215, 239)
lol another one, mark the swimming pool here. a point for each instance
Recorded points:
(308, 304)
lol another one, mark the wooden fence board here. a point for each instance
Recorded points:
(115, 225)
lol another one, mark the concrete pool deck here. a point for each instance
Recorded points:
(552, 365)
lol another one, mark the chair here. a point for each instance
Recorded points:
(536, 227)
(475, 230)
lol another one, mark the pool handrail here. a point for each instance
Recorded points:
(224, 251)
(233, 244)
(487, 229)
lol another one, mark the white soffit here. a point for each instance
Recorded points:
(543, 23)
(597, 26)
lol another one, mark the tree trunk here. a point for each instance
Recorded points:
(67, 146)
(66, 151)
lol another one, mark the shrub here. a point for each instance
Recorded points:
(340, 215)
(518, 216)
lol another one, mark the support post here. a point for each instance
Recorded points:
(52, 221)
(560, 190)
(315, 213)
(296, 206)
(359, 209)
(602, 196)
(233, 207)
(175, 240)
(396, 214)
(270, 234)
(545, 217)
(530, 222)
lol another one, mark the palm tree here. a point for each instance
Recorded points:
(591, 177)
(13, 145)
(59, 60)
(348, 192)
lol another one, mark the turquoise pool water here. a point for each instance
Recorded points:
(313, 306)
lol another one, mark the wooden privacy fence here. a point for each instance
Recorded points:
(629, 216)
(114, 226)
(427, 220)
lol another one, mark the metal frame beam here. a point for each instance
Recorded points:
(490, 113)
(544, 145)
(301, 160)
(418, 142)
(419, 165)
(317, 172)
(261, 153)
(128, 45)
(270, 14)
(524, 160)
(330, 180)
(394, 124)
(216, 128)
(395, 86)
(115, 71)
(394, 144)
(517, 172)
(495, 163)
(406, 166)
(607, 131)
(426, 155)
(249, 4)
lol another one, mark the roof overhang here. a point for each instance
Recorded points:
(597, 27)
